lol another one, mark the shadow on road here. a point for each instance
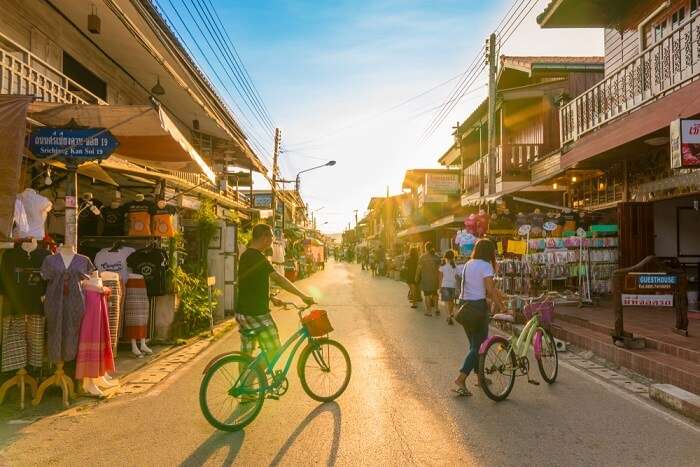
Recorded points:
(218, 440)
(331, 407)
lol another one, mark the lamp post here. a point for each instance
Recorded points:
(298, 181)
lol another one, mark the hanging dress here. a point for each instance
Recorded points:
(135, 308)
(64, 304)
(95, 357)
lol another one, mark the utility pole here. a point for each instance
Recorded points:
(275, 175)
(355, 218)
(458, 137)
(491, 44)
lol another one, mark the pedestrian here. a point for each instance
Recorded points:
(427, 277)
(409, 274)
(448, 284)
(477, 285)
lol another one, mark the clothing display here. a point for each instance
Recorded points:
(113, 221)
(20, 281)
(114, 261)
(64, 304)
(136, 308)
(163, 222)
(21, 225)
(114, 304)
(36, 326)
(88, 221)
(14, 343)
(36, 208)
(152, 263)
(95, 357)
(138, 218)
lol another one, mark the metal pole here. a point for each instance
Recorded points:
(275, 171)
(72, 206)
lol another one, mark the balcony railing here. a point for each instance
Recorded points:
(513, 160)
(21, 72)
(472, 176)
(669, 63)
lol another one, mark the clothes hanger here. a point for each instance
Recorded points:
(116, 246)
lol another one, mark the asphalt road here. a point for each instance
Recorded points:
(397, 410)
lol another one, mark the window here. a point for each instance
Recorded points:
(84, 77)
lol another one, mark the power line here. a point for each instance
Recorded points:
(215, 34)
(242, 64)
(251, 134)
(534, 3)
(254, 113)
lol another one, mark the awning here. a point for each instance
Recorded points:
(641, 122)
(146, 134)
(418, 229)
(447, 220)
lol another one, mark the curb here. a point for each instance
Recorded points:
(675, 398)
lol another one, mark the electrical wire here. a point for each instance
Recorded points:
(251, 134)
(217, 55)
(242, 64)
(214, 32)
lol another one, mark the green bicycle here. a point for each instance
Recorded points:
(501, 359)
(235, 386)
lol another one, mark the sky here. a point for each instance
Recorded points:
(332, 73)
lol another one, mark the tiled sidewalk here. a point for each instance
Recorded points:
(668, 357)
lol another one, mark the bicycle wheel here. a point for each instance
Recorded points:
(548, 360)
(324, 369)
(497, 369)
(232, 393)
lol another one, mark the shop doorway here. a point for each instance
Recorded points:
(636, 226)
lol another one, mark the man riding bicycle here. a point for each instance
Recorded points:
(253, 311)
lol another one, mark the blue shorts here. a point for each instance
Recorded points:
(448, 294)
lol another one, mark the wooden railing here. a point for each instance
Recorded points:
(472, 176)
(513, 160)
(665, 65)
(21, 72)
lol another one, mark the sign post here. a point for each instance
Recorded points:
(650, 283)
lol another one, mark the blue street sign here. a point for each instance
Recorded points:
(76, 145)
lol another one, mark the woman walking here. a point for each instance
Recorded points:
(477, 285)
(448, 284)
(427, 277)
(410, 277)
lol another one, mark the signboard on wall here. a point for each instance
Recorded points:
(685, 143)
(262, 200)
(441, 184)
(647, 300)
(84, 144)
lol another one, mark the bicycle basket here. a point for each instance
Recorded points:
(317, 323)
(544, 309)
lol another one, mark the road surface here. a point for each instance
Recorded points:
(398, 409)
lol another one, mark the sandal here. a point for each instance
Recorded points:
(428, 314)
(461, 391)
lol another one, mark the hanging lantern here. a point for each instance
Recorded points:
(94, 23)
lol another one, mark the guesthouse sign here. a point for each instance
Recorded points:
(685, 143)
(649, 289)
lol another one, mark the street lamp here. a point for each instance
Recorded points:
(327, 164)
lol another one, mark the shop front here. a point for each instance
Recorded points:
(95, 254)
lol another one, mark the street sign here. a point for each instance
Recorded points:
(77, 145)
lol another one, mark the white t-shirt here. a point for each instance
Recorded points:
(36, 207)
(114, 261)
(473, 275)
(449, 276)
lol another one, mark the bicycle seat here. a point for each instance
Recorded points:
(503, 317)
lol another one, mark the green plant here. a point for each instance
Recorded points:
(192, 290)
(207, 227)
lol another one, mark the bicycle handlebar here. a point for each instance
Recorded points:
(288, 305)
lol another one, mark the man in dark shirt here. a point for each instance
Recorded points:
(253, 308)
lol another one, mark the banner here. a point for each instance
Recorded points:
(13, 125)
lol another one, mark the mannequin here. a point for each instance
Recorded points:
(136, 311)
(94, 334)
(37, 208)
(67, 253)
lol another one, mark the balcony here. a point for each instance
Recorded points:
(513, 161)
(21, 72)
(658, 70)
